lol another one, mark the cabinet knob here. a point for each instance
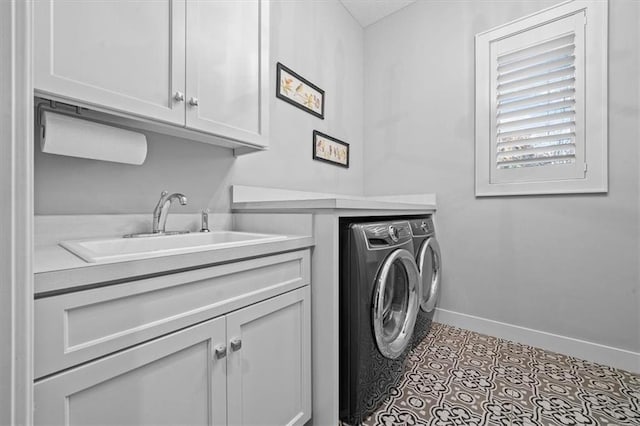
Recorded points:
(236, 344)
(179, 96)
(220, 351)
(193, 102)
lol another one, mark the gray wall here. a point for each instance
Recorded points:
(323, 43)
(320, 41)
(560, 264)
(68, 185)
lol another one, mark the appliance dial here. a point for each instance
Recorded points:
(394, 233)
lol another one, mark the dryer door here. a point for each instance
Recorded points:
(429, 265)
(395, 303)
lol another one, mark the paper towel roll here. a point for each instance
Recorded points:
(75, 137)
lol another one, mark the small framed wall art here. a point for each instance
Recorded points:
(299, 92)
(330, 149)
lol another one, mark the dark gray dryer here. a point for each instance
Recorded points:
(378, 307)
(429, 264)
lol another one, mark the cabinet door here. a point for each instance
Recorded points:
(269, 376)
(123, 55)
(228, 68)
(176, 379)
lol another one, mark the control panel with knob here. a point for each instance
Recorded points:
(422, 226)
(387, 234)
(394, 233)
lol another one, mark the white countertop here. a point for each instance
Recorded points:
(57, 269)
(251, 198)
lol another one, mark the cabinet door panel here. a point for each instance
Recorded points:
(172, 380)
(228, 68)
(123, 55)
(269, 379)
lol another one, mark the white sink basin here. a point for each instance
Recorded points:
(120, 249)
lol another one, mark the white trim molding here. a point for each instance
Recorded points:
(16, 214)
(595, 352)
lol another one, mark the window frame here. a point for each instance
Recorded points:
(595, 103)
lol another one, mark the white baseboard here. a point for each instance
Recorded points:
(614, 357)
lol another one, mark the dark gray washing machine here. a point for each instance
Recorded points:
(379, 301)
(429, 264)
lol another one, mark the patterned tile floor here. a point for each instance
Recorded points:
(458, 377)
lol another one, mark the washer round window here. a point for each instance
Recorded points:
(395, 303)
(429, 264)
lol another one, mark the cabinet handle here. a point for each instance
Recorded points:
(236, 344)
(220, 351)
(179, 96)
(193, 102)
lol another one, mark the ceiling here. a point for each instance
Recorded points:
(366, 12)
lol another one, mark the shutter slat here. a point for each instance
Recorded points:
(555, 64)
(533, 143)
(538, 163)
(527, 102)
(537, 122)
(538, 90)
(537, 59)
(557, 129)
(536, 49)
(536, 80)
(536, 154)
(535, 111)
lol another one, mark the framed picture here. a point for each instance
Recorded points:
(330, 149)
(299, 92)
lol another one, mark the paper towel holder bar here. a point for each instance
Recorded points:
(51, 103)
(57, 107)
(73, 131)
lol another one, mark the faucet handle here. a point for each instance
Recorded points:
(205, 221)
(163, 195)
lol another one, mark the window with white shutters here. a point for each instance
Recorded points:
(532, 121)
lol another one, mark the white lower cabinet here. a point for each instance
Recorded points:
(250, 366)
(172, 380)
(268, 368)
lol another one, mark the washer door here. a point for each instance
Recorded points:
(395, 303)
(429, 265)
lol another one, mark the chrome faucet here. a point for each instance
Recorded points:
(161, 211)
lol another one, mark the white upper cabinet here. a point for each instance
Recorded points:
(229, 79)
(121, 55)
(199, 65)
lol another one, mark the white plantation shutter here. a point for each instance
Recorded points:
(541, 89)
(538, 83)
(535, 114)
